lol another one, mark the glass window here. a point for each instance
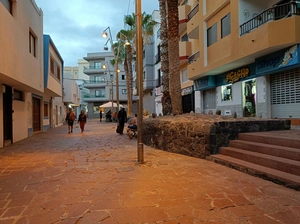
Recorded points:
(52, 65)
(226, 27)
(212, 36)
(97, 64)
(184, 76)
(32, 44)
(123, 77)
(7, 4)
(124, 91)
(226, 92)
(18, 95)
(185, 38)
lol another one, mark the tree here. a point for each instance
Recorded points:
(164, 56)
(173, 37)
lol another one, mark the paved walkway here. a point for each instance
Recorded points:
(93, 177)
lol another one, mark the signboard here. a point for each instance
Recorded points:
(277, 60)
(187, 91)
(236, 75)
(207, 82)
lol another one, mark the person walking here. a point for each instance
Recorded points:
(70, 119)
(100, 115)
(122, 119)
(82, 120)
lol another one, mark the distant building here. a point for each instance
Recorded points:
(102, 82)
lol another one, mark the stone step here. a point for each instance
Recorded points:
(272, 138)
(273, 150)
(279, 177)
(281, 164)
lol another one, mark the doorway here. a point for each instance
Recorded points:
(36, 114)
(7, 115)
(249, 98)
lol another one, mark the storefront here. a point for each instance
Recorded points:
(284, 71)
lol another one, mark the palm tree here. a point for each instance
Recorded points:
(173, 36)
(166, 99)
(147, 30)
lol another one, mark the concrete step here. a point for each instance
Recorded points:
(292, 141)
(273, 150)
(279, 177)
(281, 164)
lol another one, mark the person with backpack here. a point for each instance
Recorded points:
(70, 119)
(82, 120)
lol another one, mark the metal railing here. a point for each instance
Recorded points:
(94, 96)
(194, 57)
(95, 81)
(93, 67)
(193, 12)
(271, 14)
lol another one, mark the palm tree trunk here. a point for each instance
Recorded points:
(127, 85)
(130, 77)
(164, 56)
(173, 36)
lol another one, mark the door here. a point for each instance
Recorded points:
(7, 115)
(36, 110)
(249, 98)
(188, 103)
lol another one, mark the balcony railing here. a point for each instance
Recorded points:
(274, 13)
(95, 81)
(194, 57)
(94, 96)
(157, 58)
(92, 67)
(193, 12)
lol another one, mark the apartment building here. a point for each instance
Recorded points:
(245, 56)
(102, 82)
(21, 70)
(54, 109)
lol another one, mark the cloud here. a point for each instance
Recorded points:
(75, 26)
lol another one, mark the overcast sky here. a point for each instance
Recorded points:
(75, 26)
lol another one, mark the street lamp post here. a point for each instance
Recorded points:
(104, 34)
(139, 70)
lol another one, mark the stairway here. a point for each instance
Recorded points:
(272, 155)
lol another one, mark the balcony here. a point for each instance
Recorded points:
(94, 98)
(183, 11)
(148, 84)
(93, 70)
(93, 84)
(193, 23)
(185, 50)
(271, 14)
(194, 57)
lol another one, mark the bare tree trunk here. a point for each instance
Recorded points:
(173, 36)
(166, 99)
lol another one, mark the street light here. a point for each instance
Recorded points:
(139, 70)
(106, 66)
(105, 35)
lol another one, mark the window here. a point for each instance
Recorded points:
(97, 64)
(144, 75)
(226, 27)
(97, 93)
(123, 77)
(52, 65)
(18, 95)
(124, 91)
(58, 72)
(185, 38)
(45, 109)
(226, 92)
(32, 44)
(7, 4)
(184, 76)
(212, 36)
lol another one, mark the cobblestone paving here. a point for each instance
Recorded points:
(93, 177)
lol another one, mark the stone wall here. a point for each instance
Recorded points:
(200, 135)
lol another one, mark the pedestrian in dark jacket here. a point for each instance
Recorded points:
(82, 120)
(122, 119)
